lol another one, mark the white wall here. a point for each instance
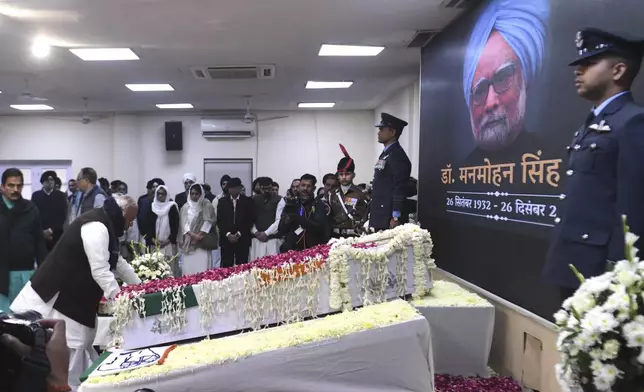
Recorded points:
(405, 105)
(132, 147)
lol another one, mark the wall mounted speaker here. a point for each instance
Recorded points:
(173, 136)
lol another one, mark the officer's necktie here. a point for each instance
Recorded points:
(589, 119)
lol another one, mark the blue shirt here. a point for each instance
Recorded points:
(7, 202)
(597, 111)
(387, 147)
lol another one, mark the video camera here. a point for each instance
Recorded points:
(22, 326)
(292, 207)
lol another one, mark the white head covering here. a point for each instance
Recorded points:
(189, 177)
(162, 208)
(194, 206)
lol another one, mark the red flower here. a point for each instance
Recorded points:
(266, 262)
(447, 383)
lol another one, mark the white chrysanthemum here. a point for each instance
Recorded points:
(585, 340)
(596, 354)
(617, 300)
(567, 303)
(628, 278)
(572, 322)
(634, 332)
(583, 302)
(598, 321)
(605, 375)
(561, 339)
(611, 349)
(561, 317)
(597, 284)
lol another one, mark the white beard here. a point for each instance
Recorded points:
(504, 133)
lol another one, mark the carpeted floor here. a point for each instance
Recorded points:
(447, 383)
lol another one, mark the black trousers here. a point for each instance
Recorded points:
(234, 254)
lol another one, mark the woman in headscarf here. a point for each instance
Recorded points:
(197, 220)
(163, 226)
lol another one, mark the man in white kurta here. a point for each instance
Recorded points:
(95, 239)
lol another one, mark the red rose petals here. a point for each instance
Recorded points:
(267, 262)
(447, 383)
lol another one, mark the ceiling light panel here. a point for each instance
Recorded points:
(324, 85)
(32, 107)
(175, 106)
(312, 105)
(150, 87)
(349, 50)
(105, 54)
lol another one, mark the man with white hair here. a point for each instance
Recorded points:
(503, 57)
(78, 272)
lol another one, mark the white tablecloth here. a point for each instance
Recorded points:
(396, 358)
(461, 338)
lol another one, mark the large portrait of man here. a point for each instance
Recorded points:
(502, 60)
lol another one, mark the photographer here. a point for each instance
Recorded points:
(34, 355)
(304, 220)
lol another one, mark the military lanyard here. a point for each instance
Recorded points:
(343, 206)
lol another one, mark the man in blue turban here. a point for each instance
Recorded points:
(503, 57)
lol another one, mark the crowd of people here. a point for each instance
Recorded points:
(64, 251)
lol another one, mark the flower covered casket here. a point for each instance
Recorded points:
(385, 347)
(284, 288)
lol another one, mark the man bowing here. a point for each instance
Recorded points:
(77, 273)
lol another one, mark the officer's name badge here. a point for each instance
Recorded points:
(601, 127)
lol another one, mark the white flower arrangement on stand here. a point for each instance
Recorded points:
(151, 265)
(601, 329)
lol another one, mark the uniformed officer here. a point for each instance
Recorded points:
(606, 163)
(348, 203)
(391, 176)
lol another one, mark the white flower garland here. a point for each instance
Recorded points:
(397, 241)
(173, 309)
(290, 293)
(124, 307)
(286, 294)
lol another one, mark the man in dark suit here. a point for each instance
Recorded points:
(235, 221)
(52, 205)
(144, 202)
(391, 176)
(182, 198)
(605, 166)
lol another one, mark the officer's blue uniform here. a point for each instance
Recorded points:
(390, 180)
(605, 178)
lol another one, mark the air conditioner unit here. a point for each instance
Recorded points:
(234, 72)
(218, 128)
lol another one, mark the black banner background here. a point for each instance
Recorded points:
(504, 256)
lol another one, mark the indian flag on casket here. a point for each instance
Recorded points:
(282, 288)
